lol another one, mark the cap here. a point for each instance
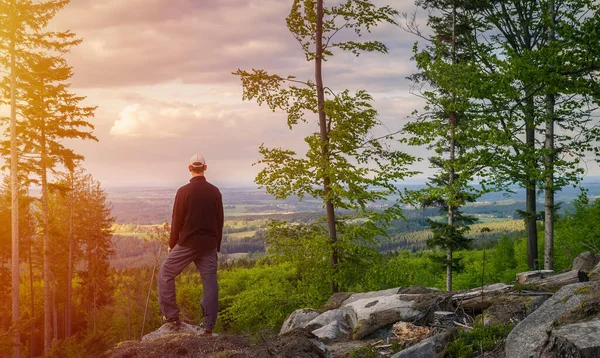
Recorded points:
(197, 160)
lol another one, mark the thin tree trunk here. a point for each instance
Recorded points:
(549, 187)
(452, 157)
(324, 131)
(530, 186)
(54, 309)
(94, 308)
(150, 289)
(46, 259)
(31, 303)
(530, 223)
(549, 163)
(46, 243)
(69, 310)
(14, 181)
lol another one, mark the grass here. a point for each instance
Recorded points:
(478, 341)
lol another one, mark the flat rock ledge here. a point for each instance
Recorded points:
(166, 329)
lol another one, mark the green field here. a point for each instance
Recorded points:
(481, 230)
(240, 235)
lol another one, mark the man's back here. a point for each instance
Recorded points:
(197, 215)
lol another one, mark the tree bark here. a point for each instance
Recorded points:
(31, 303)
(530, 223)
(69, 310)
(549, 164)
(46, 240)
(324, 131)
(549, 187)
(560, 280)
(452, 156)
(54, 309)
(14, 181)
(530, 184)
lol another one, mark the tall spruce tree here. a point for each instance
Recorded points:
(22, 30)
(54, 114)
(447, 124)
(96, 233)
(345, 165)
(51, 114)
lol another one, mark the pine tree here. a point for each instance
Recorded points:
(22, 32)
(448, 125)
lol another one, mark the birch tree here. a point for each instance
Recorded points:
(345, 165)
(543, 78)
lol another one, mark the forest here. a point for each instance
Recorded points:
(510, 92)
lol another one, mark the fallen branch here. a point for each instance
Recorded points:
(530, 293)
(462, 325)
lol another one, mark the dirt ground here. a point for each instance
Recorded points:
(295, 345)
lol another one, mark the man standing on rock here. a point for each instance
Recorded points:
(196, 233)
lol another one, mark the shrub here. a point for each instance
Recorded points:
(477, 341)
(364, 352)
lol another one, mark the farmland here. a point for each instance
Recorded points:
(139, 211)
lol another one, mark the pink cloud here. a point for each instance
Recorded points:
(147, 42)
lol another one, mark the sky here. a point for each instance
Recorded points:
(160, 72)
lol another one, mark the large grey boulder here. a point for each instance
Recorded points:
(359, 314)
(299, 319)
(330, 326)
(432, 347)
(369, 314)
(366, 295)
(585, 261)
(574, 340)
(530, 335)
(595, 273)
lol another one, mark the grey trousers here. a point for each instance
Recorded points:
(177, 260)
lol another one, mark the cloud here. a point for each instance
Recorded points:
(152, 122)
(159, 119)
(160, 71)
(148, 42)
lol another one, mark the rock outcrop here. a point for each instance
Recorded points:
(574, 340)
(432, 347)
(529, 337)
(167, 329)
(585, 261)
(420, 320)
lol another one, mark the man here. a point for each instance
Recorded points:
(196, 233)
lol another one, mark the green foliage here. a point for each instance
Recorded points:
(81, 345)
(358, 16)
(259, 298)
(473, 343)
(306, 248)
(503, 261)
(448, 125)
(364, 352)
(577, 232)
(400, 269)
(344, 165)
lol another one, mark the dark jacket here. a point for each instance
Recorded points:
(197, 216)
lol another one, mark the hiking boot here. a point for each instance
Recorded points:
(174, 323)
(203, 331)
